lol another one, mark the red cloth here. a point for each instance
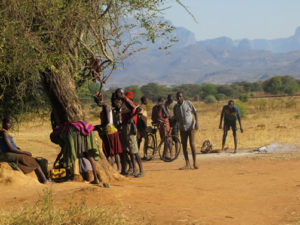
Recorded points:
(128, 110)
(130, 95)
(111, 144)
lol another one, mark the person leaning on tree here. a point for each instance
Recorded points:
(183, 113)
(230, 113)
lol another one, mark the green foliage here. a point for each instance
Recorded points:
(209, 99)
(244, 97)
(153, 91)
(281, 85)
(137, 92)
(208, 90)
(242, 108)
(65, 37)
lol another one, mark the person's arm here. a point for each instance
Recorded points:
(196, 116)
(57, 159)
(164, 111)
(109, 115)
(13, 149)
(221, 118)
(240, 121)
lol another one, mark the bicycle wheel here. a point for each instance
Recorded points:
(169, 149)
(150, 146)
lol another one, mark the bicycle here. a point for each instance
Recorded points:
(168, 148)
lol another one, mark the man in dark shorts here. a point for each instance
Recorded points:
(183, 113)
(231, 113)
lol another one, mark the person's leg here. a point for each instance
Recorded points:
(110, 160)
(117, 160)
(234, 138)
(133, 148)
(139, 161)
(91, 159)
(225, 131)
(123, 156)
(193, 148)
(38, 171)
(184, 137)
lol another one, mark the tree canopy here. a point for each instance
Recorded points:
(79, 39)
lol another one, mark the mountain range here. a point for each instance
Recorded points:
(220, 60)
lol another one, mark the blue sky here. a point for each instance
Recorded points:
(237, 19)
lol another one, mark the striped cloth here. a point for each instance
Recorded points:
(84, 127)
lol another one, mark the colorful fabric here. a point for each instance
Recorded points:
(110, 129)
(76, 145)
(111, 144)
(84, 127)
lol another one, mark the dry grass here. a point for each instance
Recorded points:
(46, 212)
(267, 121)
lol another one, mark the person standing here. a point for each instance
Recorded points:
(183, 113)
(128, 133)
(142, 123)
(169, 105)
(230, 113)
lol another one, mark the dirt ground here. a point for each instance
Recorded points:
(243, 188)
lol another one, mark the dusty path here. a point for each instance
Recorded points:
(225, 190)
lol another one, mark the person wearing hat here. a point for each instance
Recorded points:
(129, 111)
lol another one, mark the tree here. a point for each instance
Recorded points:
(51, 47)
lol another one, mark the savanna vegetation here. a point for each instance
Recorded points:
(208, 93)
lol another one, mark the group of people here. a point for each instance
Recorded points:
(123, 126)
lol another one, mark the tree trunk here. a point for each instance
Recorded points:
(66, 108)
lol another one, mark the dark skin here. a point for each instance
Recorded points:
(231, 106)
(38, 170)
(133, 157)
(180, 99)
(116, 158)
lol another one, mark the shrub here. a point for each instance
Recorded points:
(221, 96)
(242, 108)
(244, 98)
(209, 99)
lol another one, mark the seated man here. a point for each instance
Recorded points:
(11, 153)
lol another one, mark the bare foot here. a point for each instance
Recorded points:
(187, 167)
(141, 174)
(95, 181)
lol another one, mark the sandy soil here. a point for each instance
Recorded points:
(227, 189)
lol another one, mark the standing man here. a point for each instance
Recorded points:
(142, 124)
(230, 113)
(183, 114)
(128, 133)
(170, 104)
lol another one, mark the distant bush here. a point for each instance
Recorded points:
(221, 96)
(242, 108)
(210, 99)
(244, 98)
